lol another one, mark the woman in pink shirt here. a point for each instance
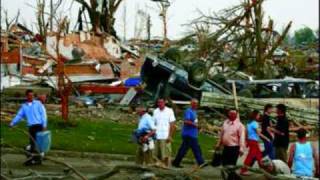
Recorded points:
(232, 138)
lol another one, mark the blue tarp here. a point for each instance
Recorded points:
(132, 82)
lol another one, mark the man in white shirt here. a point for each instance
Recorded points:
(275, 167)
(165, 126)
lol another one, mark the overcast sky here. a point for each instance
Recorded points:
(301, 12)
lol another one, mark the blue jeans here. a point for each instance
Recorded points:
(268, 149)
(189, 142)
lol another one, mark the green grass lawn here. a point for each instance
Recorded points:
(108, 137)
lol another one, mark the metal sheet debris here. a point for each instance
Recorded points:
(128, 97)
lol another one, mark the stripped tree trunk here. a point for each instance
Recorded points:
(51, 15)
(148, 30)
(102, 20)
(258, 26)
(165, 30)
(163, 13)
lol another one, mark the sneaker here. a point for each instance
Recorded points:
(244, 173)
(31, 162)
(177, 166)
(42, 154)
(203, 165)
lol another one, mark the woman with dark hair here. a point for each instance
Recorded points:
(253, 134)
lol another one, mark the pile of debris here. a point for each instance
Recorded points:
(94, 64)
(87, 57)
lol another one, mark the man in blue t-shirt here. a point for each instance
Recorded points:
(144, 134)
(189, 136)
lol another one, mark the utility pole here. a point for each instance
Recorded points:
(149, 30)
(136, 22)
(124, 16)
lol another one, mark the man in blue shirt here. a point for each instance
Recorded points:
(145, 132)
(34, 112)
(189, 136)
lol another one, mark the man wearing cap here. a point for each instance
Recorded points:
(275, 167)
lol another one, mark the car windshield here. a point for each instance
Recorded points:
(182, 73)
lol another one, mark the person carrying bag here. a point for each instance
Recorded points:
(217, 157)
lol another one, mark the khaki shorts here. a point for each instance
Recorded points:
(162, 149)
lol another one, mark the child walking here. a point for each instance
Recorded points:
(253, 137)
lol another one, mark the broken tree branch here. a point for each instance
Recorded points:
(279, 41)
(134, 168)
(5, 177)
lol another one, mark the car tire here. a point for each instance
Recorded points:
(197, 73)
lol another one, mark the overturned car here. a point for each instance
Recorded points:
(165, 78)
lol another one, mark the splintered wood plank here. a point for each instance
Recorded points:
(79, 69)
(33, 60)
(103, 89)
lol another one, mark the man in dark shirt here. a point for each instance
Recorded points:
(266, 126)
(281, 139)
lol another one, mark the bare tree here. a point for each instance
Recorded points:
(141, 24)
(163, 13)
(241, 28)
(148, 29)
(136, 19)
(12, 21)
(64, 83)
(51, 14)
(42, 22)
(124, 21)
(101, 14)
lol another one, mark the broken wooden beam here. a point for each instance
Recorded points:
(79, 69)
(104, 89)
(309, 115)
